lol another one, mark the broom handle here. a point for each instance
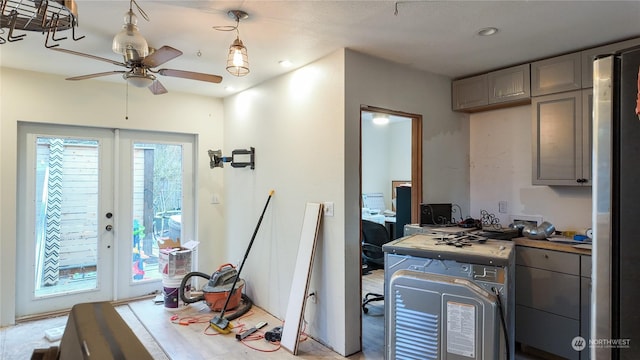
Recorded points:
(246, 254)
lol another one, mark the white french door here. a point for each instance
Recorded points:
(93, 204)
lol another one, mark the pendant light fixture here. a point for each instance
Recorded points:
(129, 42)
(237, 59)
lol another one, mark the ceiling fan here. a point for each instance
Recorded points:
(140, 59)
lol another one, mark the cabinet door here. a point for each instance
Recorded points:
(557, 139)
(585, 313)
(545, 331)
(470, 92)
(549, 291)
(561, 73)
(509, 84)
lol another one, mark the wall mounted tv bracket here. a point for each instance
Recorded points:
(238, 158)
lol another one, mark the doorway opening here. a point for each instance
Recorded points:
(391, 192)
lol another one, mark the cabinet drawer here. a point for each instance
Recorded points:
(548, 260)
(548, 332)
(549, 291)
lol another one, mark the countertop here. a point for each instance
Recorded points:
(551, 245)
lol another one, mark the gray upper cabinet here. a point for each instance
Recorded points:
(561, 138)
(509, 84)
(499, 88)
(558, 74)
(590, 54)
(470, 93)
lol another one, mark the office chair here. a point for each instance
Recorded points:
(374, 235)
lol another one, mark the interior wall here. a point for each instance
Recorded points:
(295, 122)
(445, 137)
(36, 97)
(445, 143)
(501, 170)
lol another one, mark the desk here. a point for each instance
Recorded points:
(390, 224)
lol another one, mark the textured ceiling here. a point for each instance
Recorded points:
(436, 36)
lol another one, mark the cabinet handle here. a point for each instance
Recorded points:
(546, 256)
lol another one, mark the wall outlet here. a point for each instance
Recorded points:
(502, 207)
(314, 296)
(328, 208)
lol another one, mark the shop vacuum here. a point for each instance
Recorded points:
(217, 289)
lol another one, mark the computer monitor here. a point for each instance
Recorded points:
(374, 201)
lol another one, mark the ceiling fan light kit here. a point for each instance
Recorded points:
(140, 60)
(139, 77)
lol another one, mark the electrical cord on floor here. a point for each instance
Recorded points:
(503, 321)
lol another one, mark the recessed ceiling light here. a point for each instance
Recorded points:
(488, 31)
(285, 63)
(229, 88)
(380, 119)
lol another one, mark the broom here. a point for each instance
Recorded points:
(219, 323)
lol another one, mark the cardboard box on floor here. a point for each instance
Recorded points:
(175, 258)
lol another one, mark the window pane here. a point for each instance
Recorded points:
(157, 204)
(66, 215)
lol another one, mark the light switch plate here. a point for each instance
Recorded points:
(328, 208)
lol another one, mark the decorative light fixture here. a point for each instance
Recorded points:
(237, 60)
(129, 42)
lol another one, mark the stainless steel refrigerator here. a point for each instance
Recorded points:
(615, 299)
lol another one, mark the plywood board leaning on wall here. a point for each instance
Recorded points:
(301, 277)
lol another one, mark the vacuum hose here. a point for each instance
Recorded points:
(245, 302)
(184, 283)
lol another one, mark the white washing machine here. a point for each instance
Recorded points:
(449, 296)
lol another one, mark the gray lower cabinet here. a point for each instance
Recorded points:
(550, 300)
(585, 302)
(561, 128)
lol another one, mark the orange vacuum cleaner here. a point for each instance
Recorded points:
(215, 292)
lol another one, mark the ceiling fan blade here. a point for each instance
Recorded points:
(161, 56)
(90, 76)
(72, 52)
(157, 88)
(190, 75)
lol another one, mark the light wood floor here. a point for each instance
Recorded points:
(165, 339)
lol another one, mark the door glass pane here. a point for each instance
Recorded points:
(66, 215)
(157, 204)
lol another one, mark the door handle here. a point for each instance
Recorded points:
(109, 227)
